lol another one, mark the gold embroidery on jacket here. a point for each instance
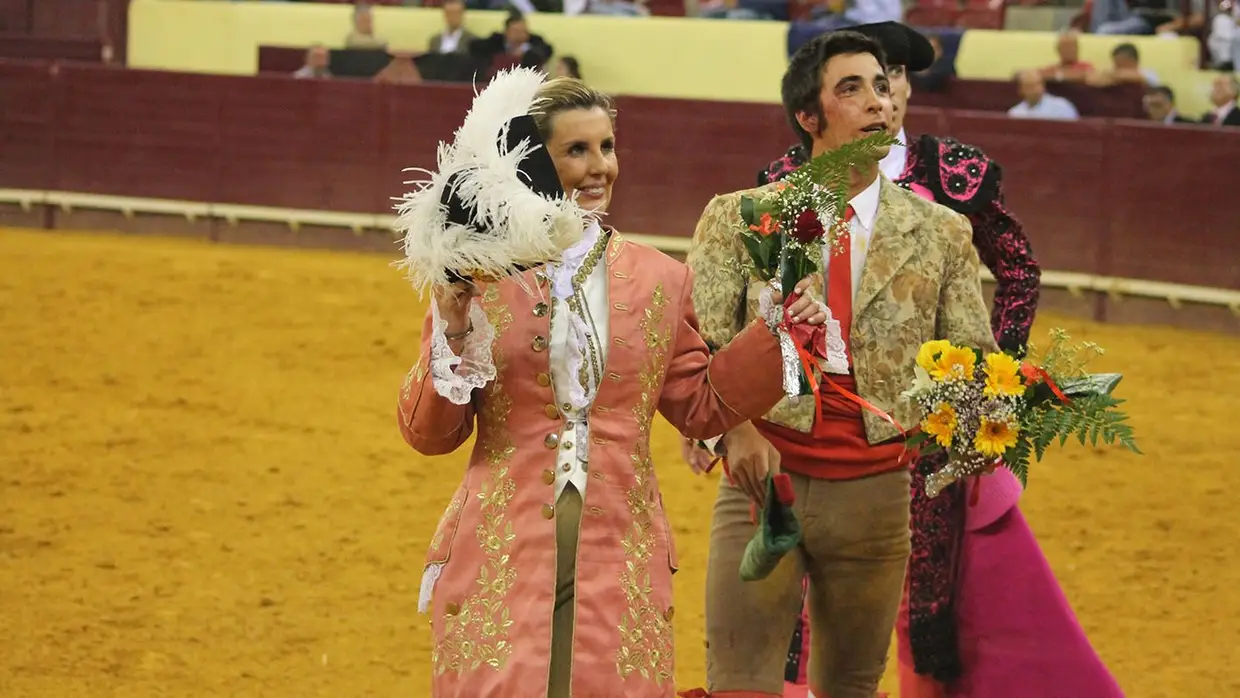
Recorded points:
(406, 390)
(478, 633)
(454, 507)
(645, 634)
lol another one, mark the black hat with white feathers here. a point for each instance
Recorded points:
(495, 206)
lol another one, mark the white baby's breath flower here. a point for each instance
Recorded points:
(922, 384)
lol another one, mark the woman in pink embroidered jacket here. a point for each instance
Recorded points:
(550, 571)
(982, 613)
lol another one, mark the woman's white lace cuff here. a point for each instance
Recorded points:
(456, 377)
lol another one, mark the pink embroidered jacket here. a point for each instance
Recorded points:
(493, 601)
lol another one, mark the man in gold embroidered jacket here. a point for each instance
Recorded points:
(912, 275)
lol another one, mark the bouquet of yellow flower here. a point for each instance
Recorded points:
(993, 410)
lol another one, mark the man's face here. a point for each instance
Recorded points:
(855, 99)
(453, 14)
(1222, 91)
(901, 90)
(1069, 50)
(1124, 61)
(317, 58)
(517, 34)
(1157, 106)
(1031, 87)
(363, 22)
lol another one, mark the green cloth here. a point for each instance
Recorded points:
(778, 533)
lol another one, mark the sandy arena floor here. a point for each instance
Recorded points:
(203, 491)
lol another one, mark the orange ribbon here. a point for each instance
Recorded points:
(1035, 373)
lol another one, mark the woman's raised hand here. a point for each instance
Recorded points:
(454, 301)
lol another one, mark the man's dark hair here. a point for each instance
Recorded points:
(1126, 49)
(803, 79)
(1162, 90)
(512, 18)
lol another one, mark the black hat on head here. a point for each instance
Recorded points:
(495, 206)
(536, 170)
(903, 45)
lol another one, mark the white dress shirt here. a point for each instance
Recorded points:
(1221, 113)
(892, 165)
(456, 377)
(860, 235)
(449, 41)
(1049, 107)
(861, 229)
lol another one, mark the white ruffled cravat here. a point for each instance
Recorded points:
(560, 277)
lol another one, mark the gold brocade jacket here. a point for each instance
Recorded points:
(491, 608)
(920, 282)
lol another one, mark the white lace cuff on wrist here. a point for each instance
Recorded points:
(456, 377)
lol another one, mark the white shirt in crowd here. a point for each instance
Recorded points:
(1049, 107)
(449, 41)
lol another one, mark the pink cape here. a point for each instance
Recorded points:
(1018, 635)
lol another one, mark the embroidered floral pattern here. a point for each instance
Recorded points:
(477, 634)
(441, 530)
(645, 631)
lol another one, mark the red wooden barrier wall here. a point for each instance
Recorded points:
(1117, 198)
(64, 29)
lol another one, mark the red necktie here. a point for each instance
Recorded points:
(839, 283)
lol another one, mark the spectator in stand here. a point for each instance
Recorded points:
(1159, 103)
(1070, 67)
(730, 9)
(568, 67)
(1036, 103)
(526, 7)
(1125, 69)
(941, 72)
(841, 14)
(615, 8)
(1223, 96)
(454, 38)
(363, 34)
(1185, 25)
(317, 60)
(1115, 17)
(516, 45)
(1224, 38)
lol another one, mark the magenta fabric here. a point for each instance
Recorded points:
(996, 494)
(1018, 635)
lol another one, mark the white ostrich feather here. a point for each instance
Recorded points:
(518, 226)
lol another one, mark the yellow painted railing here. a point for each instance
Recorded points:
(1077, 284)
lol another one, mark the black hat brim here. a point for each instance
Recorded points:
(903, 45)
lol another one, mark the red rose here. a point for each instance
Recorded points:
(807, 228)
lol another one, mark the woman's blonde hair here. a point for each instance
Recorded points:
(565, 94)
